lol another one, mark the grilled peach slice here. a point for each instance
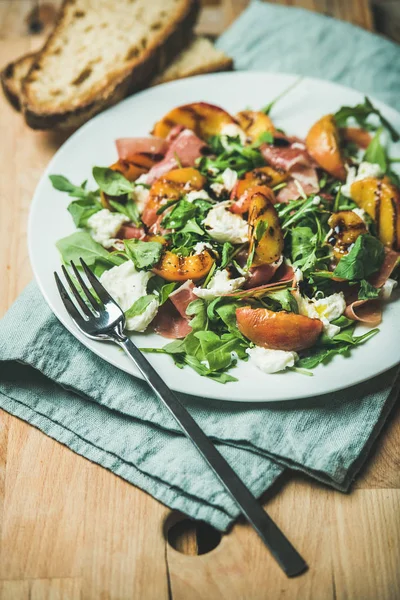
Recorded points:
(173, 267)
(204, 119)
(171, 186)
(278, 330)
(323, 144)
(346, 226)
(381, 200)
(260, 176)
(254, 123)
(266, 234)
(356, 135)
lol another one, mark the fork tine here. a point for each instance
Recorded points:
(85, 288)
(69, 305)
(98, 288)
(75, 292)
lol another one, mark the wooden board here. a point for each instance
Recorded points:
(71, 530)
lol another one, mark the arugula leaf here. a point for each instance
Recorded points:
(365, 258)
(218, 350)
(144, 255)
(129, 209)
(139, 306)
(367, 291)
(376, 153)
(227, 313)
(266, 137)
(162, 290)
(267, 109)
(180, 215)
(81, 245)
(81, 211)
(340, 344)
(62, 184)
(192, 227)
(285, 299)
(198, 310)
(112, 182)
(360, 113)
(260, 229)
(227, 251)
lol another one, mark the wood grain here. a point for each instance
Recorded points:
(70, 530)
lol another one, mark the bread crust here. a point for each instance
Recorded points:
(130, 79)
(6, 80)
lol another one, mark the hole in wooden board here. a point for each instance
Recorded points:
(190, 537)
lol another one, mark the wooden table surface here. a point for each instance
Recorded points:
(70, 529)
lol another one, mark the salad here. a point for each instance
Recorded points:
(238, 241)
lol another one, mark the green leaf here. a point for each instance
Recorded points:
(260, 229)
(376, 153)
(81, 211)
(218, 351)
(285, 299)
(112, 182)
(266, 137)
(198, 310)
(267, 109)
(128, 209)
(361, 113)
(162, 290)
(144, 255)
(365, 258)
(367, 291)
(192, 227)
(180, 215)
(227, 313)
(139, 306)
(81, 245)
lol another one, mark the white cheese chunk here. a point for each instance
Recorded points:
(387, 288)
(219, 284)
(104, 226)
(197, 195)
(365, 169)
(229, 179)
(325, 309)
(224, 226)
(201, 246)
(271, 361)
(126, 285)
(140, 196)
(233, 130)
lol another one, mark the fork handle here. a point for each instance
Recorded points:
(280, 547)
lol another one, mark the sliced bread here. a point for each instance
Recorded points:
(99, 52)
(200, 56)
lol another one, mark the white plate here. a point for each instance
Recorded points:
(93, 145)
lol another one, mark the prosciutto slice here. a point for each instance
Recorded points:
(365, 311)
(128, 232)
(261, 275)
(182, 297)
(282, 278)
(294, 159)
(169, 323)
(127, 148)
(391, 260)
(184, 149)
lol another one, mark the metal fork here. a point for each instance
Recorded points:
(102, 319)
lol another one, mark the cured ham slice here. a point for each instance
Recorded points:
(295, 160)
(365, 311)
(128, 232)
(185, 149)
(182, 297)
(170, 324)
(127, 148)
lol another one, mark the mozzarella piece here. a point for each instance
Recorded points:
(196, 195)
(224, 226)
(229, 179)
(126, 285)
(201, 246)
(271, 361)
(365, 169)
(104, 226)
(220, 284)
(140, 196)
(325, 309)
(387, 288)
(233, 130)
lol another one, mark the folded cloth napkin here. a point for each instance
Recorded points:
(53, 382)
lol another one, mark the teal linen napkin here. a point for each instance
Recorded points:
(53, 382)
